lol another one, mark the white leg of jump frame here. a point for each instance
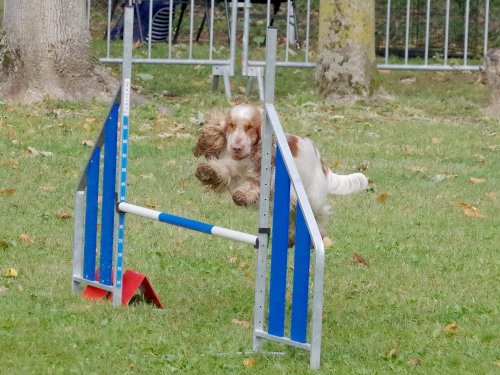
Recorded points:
(264, 200)
(79, 230)
(118, 249)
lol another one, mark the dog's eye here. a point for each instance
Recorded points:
(230, 125)
(248, 127)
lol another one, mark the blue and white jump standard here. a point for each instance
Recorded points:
(273, 320)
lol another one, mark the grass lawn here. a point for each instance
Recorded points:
(426, 303)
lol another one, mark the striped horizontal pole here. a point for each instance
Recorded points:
(187, 223)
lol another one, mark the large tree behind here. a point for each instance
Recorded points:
(346, 50)
(45, 51)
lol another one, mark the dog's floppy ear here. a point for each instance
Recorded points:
(212, 140)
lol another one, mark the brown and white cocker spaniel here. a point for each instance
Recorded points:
(231, 145)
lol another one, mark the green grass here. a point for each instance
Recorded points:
(429, 263)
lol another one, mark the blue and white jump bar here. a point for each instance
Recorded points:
(187, 223)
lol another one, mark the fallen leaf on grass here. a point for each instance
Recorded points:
(410, 150)
(418, 169)
(233, 260)
(358, 259)
(477, 181)
(414, 362)
(480, 158)
(34, 152)
(470, 210)
(249, 362)
(3, 290)
(382, 198)
(497, 363)
(165, 135)
(88, 143)
(8, 192)
(89, 122)
(437, 140)
(241, 323)
(492, 195)
(13, 164)
(363, 166)
(26, 238)
(393, 353)
(10, 272)
(327, 242)
(450, 327)
(442, 177)
(64, 215)
(409, 81)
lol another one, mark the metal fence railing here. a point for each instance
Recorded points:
(170, 32)
(435, 34)
(410, 34)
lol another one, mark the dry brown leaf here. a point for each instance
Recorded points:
(165, 135)
(382, 198)
(13, 164)
(249, 362)
(437, 140)
(10, 272)
(418, 169)
(409, 81)
(476, 181)
(26, 238)
(61, 214)
(470, 210)
(492, 147)
(410, 150)
(492, 195)
(480, 158)
(363, 166)
(358, 259)
(414, 362)
(327, 242)
(88, 143)
(450, 327)
(33, 151)
(393, 353)
(241, 323)
(8, 192)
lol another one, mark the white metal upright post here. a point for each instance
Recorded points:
(123, 158)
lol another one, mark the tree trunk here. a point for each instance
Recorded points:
(346, 59)
(492, 70)
(45, 51)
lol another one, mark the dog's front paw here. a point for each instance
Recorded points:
(240, 198)
(244, 196)
(207, 175)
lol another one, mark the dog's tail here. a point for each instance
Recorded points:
(339, 184)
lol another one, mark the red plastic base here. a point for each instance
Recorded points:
(133, 282)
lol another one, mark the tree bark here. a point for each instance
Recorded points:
(492, 70)
(45, 51)
(346, 59)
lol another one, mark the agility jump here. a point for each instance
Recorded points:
(110, 280)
